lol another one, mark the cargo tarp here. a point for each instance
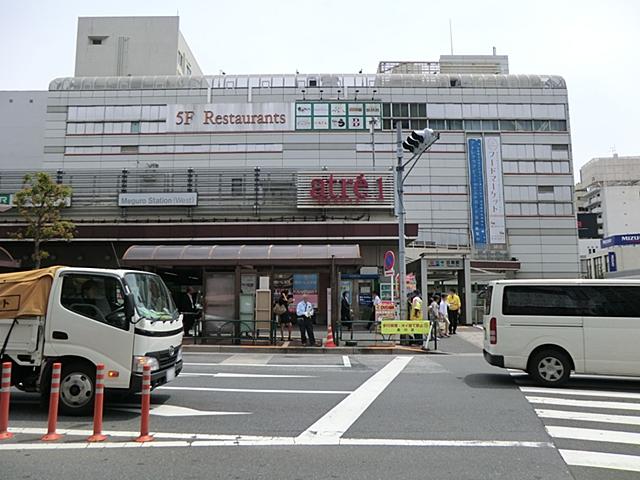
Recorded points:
(26, 293)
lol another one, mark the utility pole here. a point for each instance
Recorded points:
(402, 266)
(372, 125)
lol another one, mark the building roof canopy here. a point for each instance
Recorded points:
(221, 255)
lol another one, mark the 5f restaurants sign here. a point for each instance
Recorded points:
(345, 190)
(230, 117)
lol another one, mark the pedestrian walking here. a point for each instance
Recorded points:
(443, 316)
(374, 307)
(434, 315)
(345, 311)
(305, 312)
(453, 300)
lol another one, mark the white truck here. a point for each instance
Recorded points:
(84, 316)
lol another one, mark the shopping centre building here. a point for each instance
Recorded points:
(247, 161)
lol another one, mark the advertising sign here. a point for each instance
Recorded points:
(230, 117)
(345, 190)
(186, 199)
(620, 240)
(404, 327)
(613, 264)
(305, 284)
(495, 193)
(385, 310)
(336, 115)
(476, 181)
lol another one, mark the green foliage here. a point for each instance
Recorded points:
(40, 203)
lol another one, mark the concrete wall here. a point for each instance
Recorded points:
(620, 205)
(22, 127)
(129, 46)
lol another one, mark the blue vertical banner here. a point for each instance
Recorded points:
(613, 264)
(476, 184)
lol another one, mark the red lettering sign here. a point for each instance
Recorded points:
(334, 190)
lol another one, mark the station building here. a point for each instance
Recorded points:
(307, 160)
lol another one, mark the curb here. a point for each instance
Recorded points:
(309, 350)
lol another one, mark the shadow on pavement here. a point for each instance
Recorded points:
(490, 380)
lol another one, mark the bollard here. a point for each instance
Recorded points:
(146, 400)
(98, 404)
(5, 392)
(53, 405)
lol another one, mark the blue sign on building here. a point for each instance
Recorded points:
(619, 240)
(476, 182)
(613, 264)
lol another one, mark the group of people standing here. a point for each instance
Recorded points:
(303, 317)
(445, 310)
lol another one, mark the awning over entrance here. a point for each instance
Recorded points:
(233, 255)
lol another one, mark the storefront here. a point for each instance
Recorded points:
(231, 274)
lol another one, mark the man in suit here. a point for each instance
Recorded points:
(189, 309)
(304, 312)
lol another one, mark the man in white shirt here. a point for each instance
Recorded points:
(304, 312)
(444, 315)
(374, 305)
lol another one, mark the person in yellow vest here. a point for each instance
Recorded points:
(416, 307)
(454, 307)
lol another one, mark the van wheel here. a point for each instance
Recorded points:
(77, 389)
(550, 368)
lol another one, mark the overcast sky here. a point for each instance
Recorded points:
(595, 46)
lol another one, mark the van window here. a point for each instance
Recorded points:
(487, 300)
(611, 301)
(540, 300)
(97, 297)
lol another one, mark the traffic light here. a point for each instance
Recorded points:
(419, 140)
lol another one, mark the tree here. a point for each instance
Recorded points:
(40, 203)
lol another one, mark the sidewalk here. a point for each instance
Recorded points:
(468, 340)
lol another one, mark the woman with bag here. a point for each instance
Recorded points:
(283, 316)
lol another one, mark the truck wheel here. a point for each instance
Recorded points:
(550, 368)
(77, 389)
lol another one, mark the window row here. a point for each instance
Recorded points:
(541, 209)
(535, 167)
(535, 152)
(106, 128)
(478, 125)
(117, 112)
(474, 110)
(129, 149)
(532, 193)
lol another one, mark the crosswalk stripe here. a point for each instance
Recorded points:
(593, 435)
(256, 390)
(583, 393)
(584, 403)
(588, 417)
(581, 458)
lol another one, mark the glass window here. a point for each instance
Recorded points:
(418, 110)
(437, 124)
(611, 301)
(135, 127)
(540, 300)
(558, 125)
(419, 124)
(473, 124)
(541, 125)
(490, 125)
(400, 109)
(97, 297)
(404, 124)
(560, 148)
(524, 125)
(386, 110)
(508, 125)
(236, 186)
(151, 297)
(386, 124)
(454, 124)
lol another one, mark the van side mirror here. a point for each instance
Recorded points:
(129, 307)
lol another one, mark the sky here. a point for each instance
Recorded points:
(595, 46)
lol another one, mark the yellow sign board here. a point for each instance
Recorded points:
(404, 327)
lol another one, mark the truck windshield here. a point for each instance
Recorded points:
(151, 297)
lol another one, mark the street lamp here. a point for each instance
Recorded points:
(417, 143)
(373, 122)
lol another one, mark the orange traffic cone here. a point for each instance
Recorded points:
(329, 343)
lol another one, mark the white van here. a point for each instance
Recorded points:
(550, 328)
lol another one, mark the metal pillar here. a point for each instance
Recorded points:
(402, 265)
(468, 297)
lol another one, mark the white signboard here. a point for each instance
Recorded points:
(230, 117)
(495, 192)
(186, 199)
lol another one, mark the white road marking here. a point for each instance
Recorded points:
(248, 358)
(584, 403)
(615, 461)
(593, 435)
(241, 375)
(256, 390)
(176, 411)
(268, 365)
(588, 417)
(584, 393)
(392, 442)
(346, 361)
(339, 419)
